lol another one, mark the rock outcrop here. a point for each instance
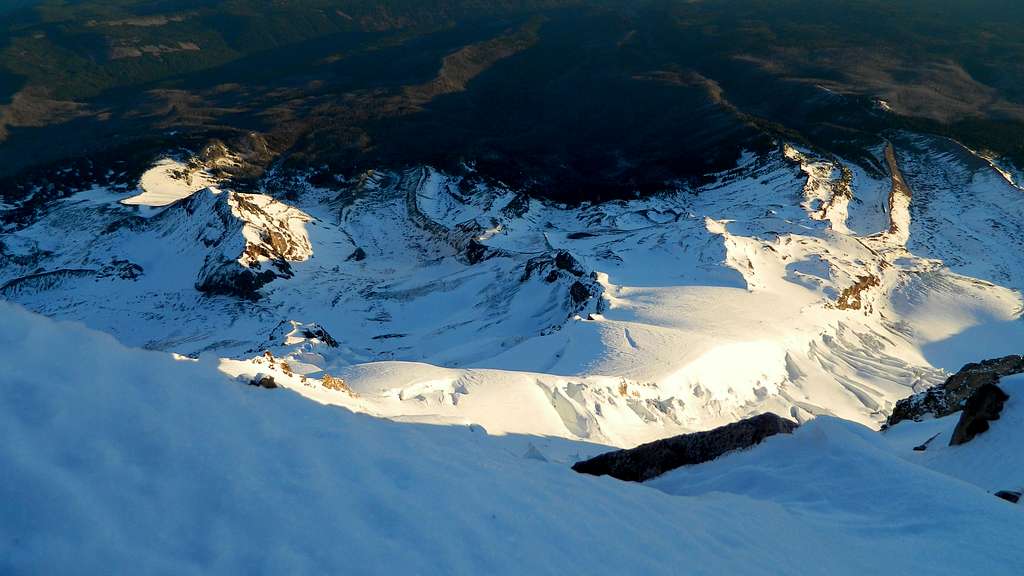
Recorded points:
(252, 239)
(951, 396)
(981, 408)
(357, 255)
(655, 458)
(1009, 495)
(231, 279)
(263, 381)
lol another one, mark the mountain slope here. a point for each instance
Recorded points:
(795, 283)
(124, 460)
(576, 100)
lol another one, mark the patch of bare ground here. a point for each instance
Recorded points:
(32, 107)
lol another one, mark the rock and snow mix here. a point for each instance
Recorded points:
(992, 460)
(130, 461)
(794, 284)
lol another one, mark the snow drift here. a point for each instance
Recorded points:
(118, 460)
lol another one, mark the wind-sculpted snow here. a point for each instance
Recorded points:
(793, 283)
(127, 461)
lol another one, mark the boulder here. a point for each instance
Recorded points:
(981, 408)
(655, 458)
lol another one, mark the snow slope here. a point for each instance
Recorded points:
(169, 181)
(992, 460)
(794, 283)
(119, 460)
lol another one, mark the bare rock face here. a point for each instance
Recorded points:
(318, 333)
(562, 266)
(655, 458)
(554, 266)
(251, 239)
(952, 395)
(981, 408)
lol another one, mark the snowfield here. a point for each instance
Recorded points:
(794, 283)
(130, 461)
(167, 182)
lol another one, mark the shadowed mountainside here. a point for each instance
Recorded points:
(569, 99)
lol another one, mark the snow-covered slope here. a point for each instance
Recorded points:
(794, 283)
(993, 460)
(126, 461)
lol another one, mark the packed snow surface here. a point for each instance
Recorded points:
(167, 182)
(794, 283)
(129, 461)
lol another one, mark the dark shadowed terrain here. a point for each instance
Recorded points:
(569, 99)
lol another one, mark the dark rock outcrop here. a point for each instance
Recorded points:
(562, 266)
(357, 255)
(120, 268)
(249, 240)
(950, 396)
(232, 279)
(477, 252)
(318, 332)
(263, 381)
(566, 261)
(981, 408)
(655, 458)
(552, 267)
(1009, 495)
(579, 293)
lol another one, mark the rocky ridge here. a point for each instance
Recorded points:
(955, 393)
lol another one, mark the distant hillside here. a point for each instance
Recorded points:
(573, 99)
